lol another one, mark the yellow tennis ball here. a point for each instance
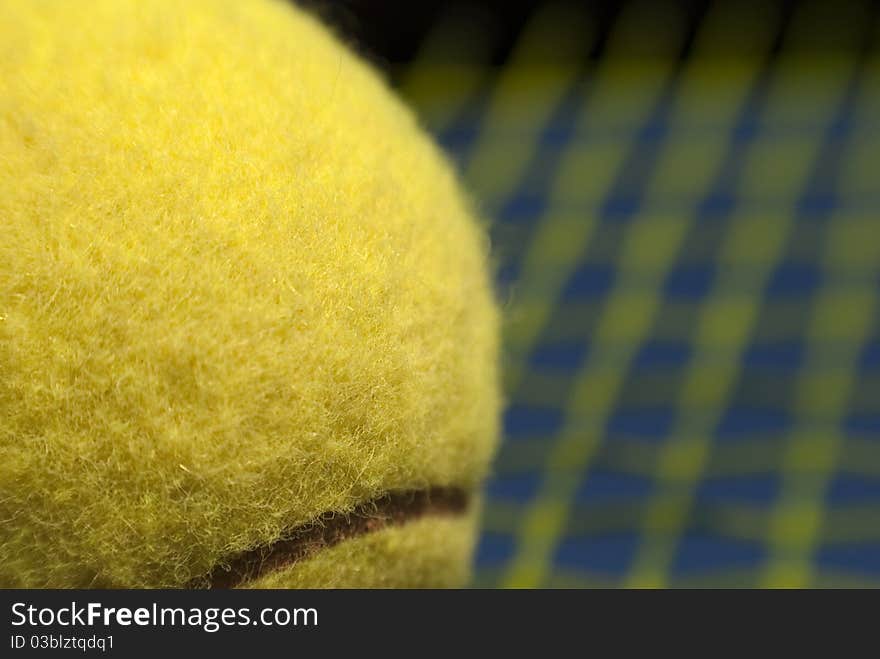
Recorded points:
(247, 333)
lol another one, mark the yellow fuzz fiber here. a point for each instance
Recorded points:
(238, 288)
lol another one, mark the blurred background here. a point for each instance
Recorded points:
(684, 201)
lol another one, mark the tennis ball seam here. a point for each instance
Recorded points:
(331, 528)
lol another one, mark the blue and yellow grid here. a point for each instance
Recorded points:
(689, 259)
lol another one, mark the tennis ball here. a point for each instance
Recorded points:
(247, 332)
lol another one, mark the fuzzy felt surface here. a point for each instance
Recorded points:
(239, 288)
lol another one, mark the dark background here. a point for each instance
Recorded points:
(390, 32)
